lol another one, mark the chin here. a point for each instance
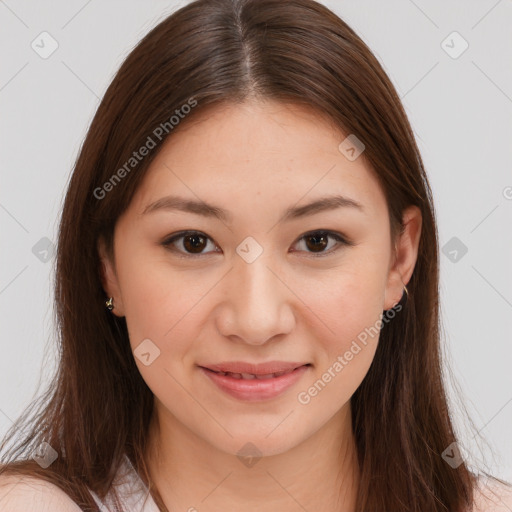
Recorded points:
(258, 442)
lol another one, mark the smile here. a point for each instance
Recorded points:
(251, 387)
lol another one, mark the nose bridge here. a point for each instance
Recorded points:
(257, 301)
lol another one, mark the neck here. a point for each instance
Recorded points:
(319, 474)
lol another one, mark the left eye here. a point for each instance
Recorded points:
(194, 242)
(319, 240)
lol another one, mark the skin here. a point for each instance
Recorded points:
(256, 159)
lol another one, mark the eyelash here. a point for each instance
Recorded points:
(167, 243)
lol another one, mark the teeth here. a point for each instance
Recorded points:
(250, 376)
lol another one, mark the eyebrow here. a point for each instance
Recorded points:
(292, 213)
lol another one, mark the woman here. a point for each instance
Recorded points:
(247, 286)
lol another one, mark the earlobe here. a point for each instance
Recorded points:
(109, 279)
(404, 257)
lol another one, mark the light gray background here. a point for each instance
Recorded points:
(460, 109)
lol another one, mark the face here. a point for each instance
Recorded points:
(243, 281)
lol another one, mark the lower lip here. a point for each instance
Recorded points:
(254, 390)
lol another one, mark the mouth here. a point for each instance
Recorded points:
(256, 385)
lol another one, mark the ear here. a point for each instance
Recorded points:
(404, 258)
(109, 278)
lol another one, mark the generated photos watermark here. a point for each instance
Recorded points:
(305, 397)
(158, 133)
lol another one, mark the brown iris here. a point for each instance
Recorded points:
(194, 243)
(319, 241)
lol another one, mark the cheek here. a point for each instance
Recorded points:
(347, 301)
(345, 350)
(347, 311)
(157, 300)
(162, 308)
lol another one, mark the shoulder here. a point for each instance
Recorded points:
(30, 494)
(493, 496)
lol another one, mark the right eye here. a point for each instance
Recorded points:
(193, 243)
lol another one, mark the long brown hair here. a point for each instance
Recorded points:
(207, 53)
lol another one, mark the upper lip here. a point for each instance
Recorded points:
(254, 369)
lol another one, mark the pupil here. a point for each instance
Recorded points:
(196, 245)
(317, 239)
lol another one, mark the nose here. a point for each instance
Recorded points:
(258, 304)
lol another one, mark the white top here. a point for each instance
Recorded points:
(36, 495)
(131, 490)
(135, 497)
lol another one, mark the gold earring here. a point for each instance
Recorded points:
(110, 303)
(406, 290)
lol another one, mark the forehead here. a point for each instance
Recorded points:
(267, 153)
